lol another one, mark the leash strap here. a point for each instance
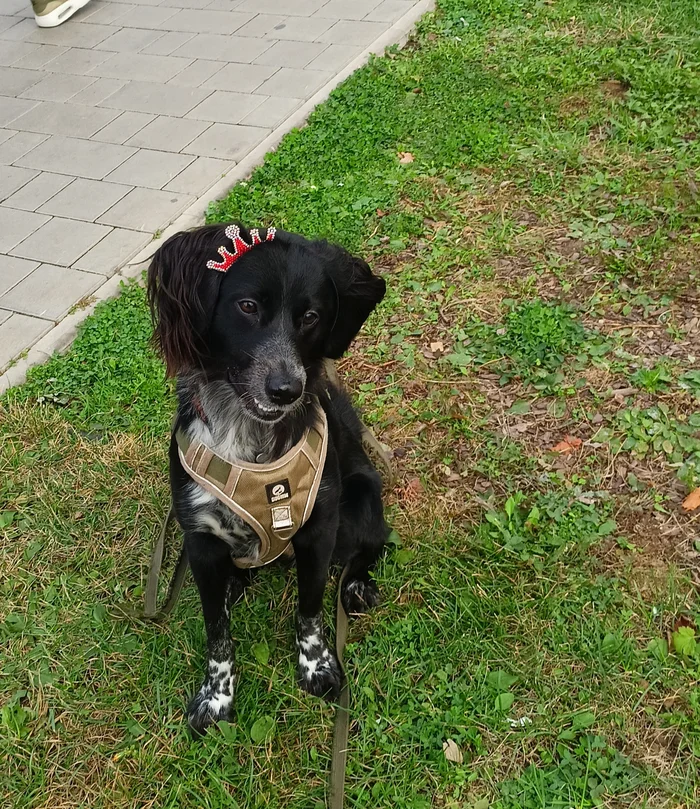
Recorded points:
(341, 727)
(370, 443)
(151, 611)
(377, 453)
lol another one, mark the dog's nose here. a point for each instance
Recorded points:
(282, 388)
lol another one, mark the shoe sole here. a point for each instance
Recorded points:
(61, 14)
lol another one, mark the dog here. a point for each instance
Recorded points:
(245, 320)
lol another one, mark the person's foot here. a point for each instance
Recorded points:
(50, 13)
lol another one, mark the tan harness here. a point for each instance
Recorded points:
(274, 499)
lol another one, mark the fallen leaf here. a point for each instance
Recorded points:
(519, 408)
(683, 620)
(415, 487)
(569, 444)
(452, 752)
(582, 720)
(659, 648)
(692, 501)
(403, 556)
(504, 701)
(501, 679)
(262, 729)
(406, 157)
(261, 652)
(684, 641)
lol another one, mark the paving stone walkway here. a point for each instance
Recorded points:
(114, 123)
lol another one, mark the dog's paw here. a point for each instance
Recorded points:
(318, 671)
(320, 674)
(214, 700)
(359, 596)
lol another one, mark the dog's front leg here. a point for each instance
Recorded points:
(220, 583)
(318, 671)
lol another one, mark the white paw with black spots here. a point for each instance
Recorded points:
(318, 671)
(359, 596)
(214, 700)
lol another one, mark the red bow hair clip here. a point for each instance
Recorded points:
(240, 247)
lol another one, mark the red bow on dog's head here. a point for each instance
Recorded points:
(240, 247)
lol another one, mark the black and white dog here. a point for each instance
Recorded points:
(247, 343)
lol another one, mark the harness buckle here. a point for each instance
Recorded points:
(281, 518)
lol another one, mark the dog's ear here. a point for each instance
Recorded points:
(182, 293)
(358, 292)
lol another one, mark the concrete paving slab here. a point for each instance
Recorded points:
(37, 191)
(80, 158)
(49, 291)
(60, 241)
(16, 332)
(146, 209)
(85, 199)
(13, 270)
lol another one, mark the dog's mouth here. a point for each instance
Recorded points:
(266, 412)
(259, 407)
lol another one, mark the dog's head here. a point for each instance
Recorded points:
(263, 322)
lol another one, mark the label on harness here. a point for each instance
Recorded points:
(277, 492)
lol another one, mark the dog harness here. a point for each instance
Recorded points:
(274, 499)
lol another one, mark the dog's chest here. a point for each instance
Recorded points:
(208, 512)
(212, 516)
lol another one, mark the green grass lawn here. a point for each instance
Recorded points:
(525, 175)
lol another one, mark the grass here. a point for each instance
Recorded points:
(540, 608)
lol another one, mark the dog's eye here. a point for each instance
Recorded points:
(309, 319)
(248, 307)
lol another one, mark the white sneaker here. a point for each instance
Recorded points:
(50, 13)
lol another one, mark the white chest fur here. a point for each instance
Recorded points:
(208, 513)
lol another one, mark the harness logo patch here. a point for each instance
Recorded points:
(276, 492)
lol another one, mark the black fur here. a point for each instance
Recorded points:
(245, 379)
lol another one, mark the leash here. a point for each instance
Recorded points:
(341, 725)
(151, 611)
(370, 443)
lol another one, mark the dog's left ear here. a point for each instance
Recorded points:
(359, 290)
